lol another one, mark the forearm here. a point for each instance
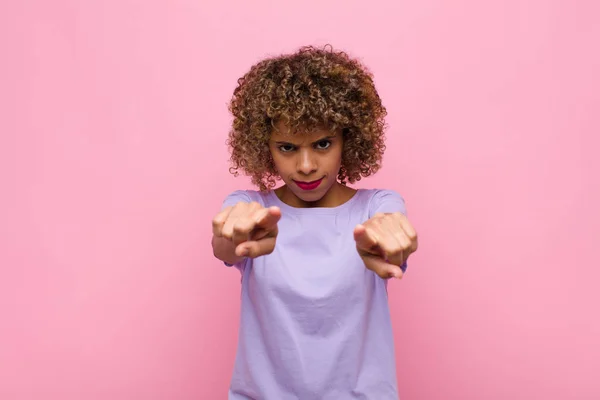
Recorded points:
(224, 250)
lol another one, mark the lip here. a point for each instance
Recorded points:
(309, 185)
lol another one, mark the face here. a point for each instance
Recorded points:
(308, 163)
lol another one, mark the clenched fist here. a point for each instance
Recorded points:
(384, 242)
(249, 228)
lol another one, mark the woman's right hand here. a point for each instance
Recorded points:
(246, 230)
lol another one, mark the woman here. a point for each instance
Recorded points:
(315, 255)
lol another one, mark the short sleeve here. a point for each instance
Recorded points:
(387, 201)
(236, 197)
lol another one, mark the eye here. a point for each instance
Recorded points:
(323, 144)
(286, 148)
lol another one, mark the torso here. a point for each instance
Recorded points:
(315, 322)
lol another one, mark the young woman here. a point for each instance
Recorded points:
(315, 255)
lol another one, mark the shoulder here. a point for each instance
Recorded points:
(384, 201)
(246, 196)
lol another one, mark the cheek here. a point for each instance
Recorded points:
(280, 164)
(275, 157)
(337, 159)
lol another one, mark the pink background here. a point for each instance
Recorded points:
(112, 162)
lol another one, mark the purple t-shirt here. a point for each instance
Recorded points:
(315, 322)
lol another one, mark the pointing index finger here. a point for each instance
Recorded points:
(364, 238)
(269, 217)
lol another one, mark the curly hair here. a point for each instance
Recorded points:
(308, 89)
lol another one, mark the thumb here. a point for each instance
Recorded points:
(383, 269)
(256, 248)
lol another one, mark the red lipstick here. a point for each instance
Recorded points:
(308, 185)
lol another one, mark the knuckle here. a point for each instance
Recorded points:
(239, 227)
(396, 251)
(379, 216)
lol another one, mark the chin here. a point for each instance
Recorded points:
(311, 196)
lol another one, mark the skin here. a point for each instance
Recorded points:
(384, 242)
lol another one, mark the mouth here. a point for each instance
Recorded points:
(308, 185)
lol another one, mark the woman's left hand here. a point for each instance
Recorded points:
(385, 242)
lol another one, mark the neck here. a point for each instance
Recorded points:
(337, 195)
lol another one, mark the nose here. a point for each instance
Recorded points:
(306, 163)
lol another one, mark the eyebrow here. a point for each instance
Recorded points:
(315, 142)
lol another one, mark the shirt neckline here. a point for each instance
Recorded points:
(313, 210)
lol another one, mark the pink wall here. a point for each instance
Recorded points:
(113, 121)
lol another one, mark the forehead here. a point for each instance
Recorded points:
(283, 132)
